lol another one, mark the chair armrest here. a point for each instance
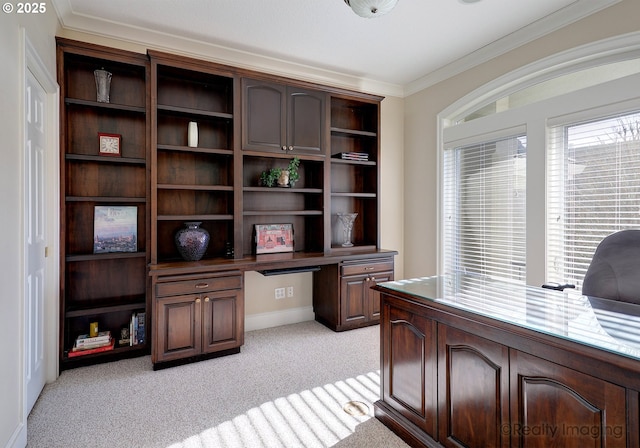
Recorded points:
(558, 286)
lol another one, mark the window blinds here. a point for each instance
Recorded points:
(484, 200)
(593, 190)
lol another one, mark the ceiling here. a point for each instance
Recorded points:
(414, 44)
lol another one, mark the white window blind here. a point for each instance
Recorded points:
(593, 190)
(484, 199)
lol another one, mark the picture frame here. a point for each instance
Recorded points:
(109, 144)
(273, 238)
(115, 229)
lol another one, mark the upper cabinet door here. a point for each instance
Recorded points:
(306, 121)
(264, 116)
(280, 118)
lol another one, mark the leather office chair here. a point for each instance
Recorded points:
(614, 272)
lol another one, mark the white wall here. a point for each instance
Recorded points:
(40, 31)
(422, 108)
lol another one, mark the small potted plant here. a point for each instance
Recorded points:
(286, 177)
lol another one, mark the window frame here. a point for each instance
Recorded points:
(591, 102)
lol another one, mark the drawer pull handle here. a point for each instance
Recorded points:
(202, 285)
(369, 268)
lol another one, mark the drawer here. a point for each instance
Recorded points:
(197, 286)
(367, 267)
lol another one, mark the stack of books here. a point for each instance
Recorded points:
(86, 345)
(360, 156)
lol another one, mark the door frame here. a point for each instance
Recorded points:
(32, 62)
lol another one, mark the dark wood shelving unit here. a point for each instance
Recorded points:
(101, 287)
(248, 123)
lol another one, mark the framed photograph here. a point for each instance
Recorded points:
(273, 238)
(109, 144)
(115, 229)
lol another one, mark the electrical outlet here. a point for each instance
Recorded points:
(279, 293)
(289, 291)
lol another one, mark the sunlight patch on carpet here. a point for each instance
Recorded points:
(320, 418)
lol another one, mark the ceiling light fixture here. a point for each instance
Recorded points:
(371, 8)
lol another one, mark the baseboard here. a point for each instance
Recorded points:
(19, 438)
(277, 318)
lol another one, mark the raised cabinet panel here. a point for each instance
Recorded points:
(473, 380)
(223, 321)
(306, 127)
(264, 115)
(552, 405)
(354, 300)
(409, 367)
(177, 329)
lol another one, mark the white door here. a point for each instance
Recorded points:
(35, 244)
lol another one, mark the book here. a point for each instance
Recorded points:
(81, 352)
(140, 331)
(360, 156)
(85, 339)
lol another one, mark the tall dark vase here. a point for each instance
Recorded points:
(192, 241)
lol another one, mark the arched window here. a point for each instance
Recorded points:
(540, 165)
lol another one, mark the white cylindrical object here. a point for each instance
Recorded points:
(193, 134)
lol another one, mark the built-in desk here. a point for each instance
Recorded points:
(470, 362)
(198, 307)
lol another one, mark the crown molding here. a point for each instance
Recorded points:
(172, 43)
(553, 22)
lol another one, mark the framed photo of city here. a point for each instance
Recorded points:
(115, 229)
(274, 238)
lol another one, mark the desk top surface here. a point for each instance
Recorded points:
(604, 324)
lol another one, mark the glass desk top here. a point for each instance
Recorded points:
(605, 324)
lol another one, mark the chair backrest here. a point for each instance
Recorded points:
(614, 272)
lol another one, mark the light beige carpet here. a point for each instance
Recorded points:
(286, 388)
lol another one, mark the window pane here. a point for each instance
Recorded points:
(484, 209)
(593, 190)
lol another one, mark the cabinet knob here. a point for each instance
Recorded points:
(290, 148)
(206, 299)
(373, 279)
(198, 300)
(284, 148)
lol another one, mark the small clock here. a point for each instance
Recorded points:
(109, 144)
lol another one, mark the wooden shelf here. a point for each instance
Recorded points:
(195, 187)
(282, 212)
(105, 199)
(353, 162)
(283, 190)
(353, 132)
(105, 159)
(185, 218)
(107, 256)
(224, 152)
(355, 195)
(194, 112)
(131, 306)
(106, 106)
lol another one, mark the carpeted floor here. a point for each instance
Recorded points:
(287, 388)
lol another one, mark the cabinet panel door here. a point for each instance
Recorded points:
(410, 366)
(306, 122)
(264, 116)
(473, 384)
(177, 327)
(552, 405)
(222, 320)
(353, 306)
(373, 300)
